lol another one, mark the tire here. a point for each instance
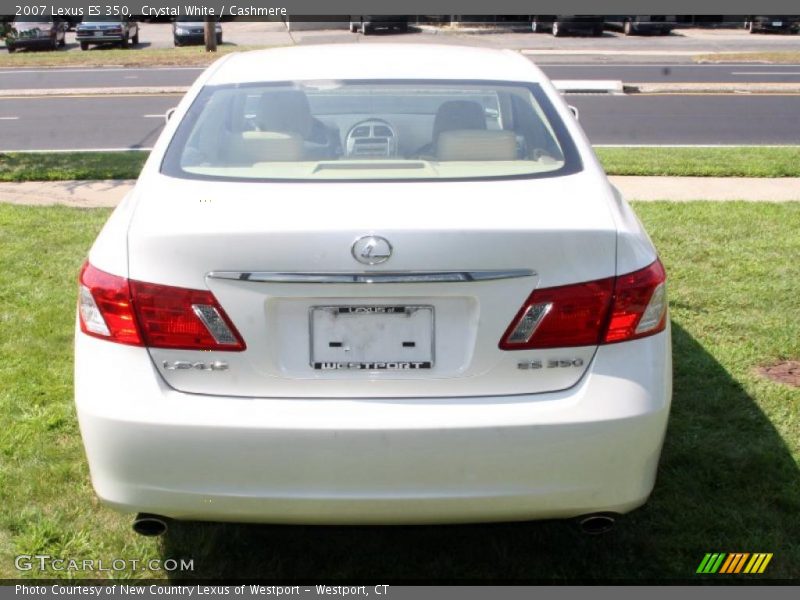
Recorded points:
(535, 27)
(353, 27)
(63, 41)
(84, 46)
(11, 49)
(627, 28)
(136, 38)
(366, 29)
(125, 42)
(219, 40)
(557, 32)
(54, 44)
(598, 32)
(177, 42)
(751, 27)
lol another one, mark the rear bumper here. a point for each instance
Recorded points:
(99, 39)
(594, 447)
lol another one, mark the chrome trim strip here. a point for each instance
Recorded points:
(375, 277)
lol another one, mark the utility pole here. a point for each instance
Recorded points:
(211, 34)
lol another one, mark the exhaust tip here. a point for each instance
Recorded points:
(597, 524)
(150, 525)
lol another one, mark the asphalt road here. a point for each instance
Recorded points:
(43, 78)
(135, 121)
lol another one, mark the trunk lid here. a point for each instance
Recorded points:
(266, 251)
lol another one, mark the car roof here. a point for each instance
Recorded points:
(374, 61)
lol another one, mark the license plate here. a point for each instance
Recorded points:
(371, 338)
(777, 23)
(97, 34)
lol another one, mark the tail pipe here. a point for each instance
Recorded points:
(597, 524)
(150, 525)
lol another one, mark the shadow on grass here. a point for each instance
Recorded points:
(726, 483)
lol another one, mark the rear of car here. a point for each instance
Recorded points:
(35, 33)
(346, 292)
(117, 30)
(773, 24)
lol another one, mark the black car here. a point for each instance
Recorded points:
(642, 24)
(36, 32)
(568, 24)
(773, 24)
(191, 30)
(121, 31)
(368, 24)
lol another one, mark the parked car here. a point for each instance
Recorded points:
(642, 24)
(43, 33)
(367, 24)
(121, 31)
(568, 24)
(456, 318)
(773, 24)
(188, 30)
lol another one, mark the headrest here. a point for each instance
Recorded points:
(287, 111)
(474, 144)
(458, 114)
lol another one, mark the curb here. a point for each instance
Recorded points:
(711, 88)
(114, 91)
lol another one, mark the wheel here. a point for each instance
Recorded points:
(219, 40)
(54, 44)
(627, 28)
(84, 46)
(598, 32)
(63, 41)
(403, 28)
(366, 28)
(535, 27)
(125, 42)
(353, 27)
(136, 38)
(751, 27)
(177, 42)
(556, 29)
(11, 49)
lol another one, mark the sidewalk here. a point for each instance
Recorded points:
(92, 194)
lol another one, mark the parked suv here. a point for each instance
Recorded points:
(36, 32)
(107, 30)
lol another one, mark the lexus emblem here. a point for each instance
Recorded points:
(372, 250)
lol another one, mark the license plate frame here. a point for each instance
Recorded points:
(360, 325)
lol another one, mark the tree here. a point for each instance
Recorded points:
(211, 34)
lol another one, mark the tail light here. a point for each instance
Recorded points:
(605, 311)
(156, 316)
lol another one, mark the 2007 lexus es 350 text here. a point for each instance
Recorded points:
(384, 284)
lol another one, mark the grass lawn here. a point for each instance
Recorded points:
(187, 56)
(729, 479)
(749, 161)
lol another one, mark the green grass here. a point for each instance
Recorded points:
(750, 161)
(61, 166)
(194, 56)
(729, 478)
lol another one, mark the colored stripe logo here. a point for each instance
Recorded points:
(734, 562)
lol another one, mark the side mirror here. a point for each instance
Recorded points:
(168, 114)
(574, 111)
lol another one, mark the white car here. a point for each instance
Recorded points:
(384, 284)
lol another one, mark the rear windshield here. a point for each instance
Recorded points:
(371, 130)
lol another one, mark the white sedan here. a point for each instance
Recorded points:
(383, 284)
